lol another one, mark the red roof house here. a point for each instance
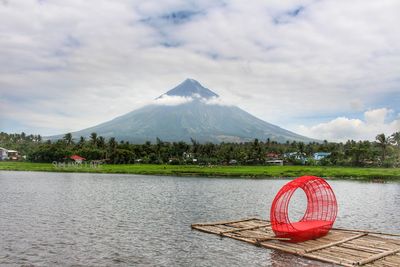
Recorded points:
(77, 158)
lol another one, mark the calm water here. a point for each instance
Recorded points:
(49, 219)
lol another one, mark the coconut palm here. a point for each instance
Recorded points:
(101, 142)
(81, 142)
(396, 139)
(383, 142)
(112, 144)
(93, 139)
(68, 139)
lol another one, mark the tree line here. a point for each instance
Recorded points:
(384, 151)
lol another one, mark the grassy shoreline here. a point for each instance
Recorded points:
(217, 171)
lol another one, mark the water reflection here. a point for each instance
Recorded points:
(119, 220)
(281, 259)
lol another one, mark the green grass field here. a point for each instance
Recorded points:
(217, 171)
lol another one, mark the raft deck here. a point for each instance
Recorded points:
(345, 247)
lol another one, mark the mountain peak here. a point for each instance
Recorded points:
(198, 121)
(190, 87)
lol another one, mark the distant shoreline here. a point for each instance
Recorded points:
(377, 174)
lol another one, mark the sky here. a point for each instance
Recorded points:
(327, 69)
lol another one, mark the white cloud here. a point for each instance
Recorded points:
(217, 101)
(343, 129)
(92, 66)
(376, 116)
(172, 100)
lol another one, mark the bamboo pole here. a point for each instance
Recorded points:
(337, 255)
(243, 229)
(335, 243)
(353, 255)
(263, 239)
(223, 222)
(364, 231)
(377, 256)
(361, 248)
(301, 253)
(380, 242)
(332, 248)
(384, 262)
(281, 248)
(332, 259)
(389, 264)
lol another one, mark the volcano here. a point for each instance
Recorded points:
(189, 111)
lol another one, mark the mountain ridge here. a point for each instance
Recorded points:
(195, 118)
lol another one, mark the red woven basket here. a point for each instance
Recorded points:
(319, 216)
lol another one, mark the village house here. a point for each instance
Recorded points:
(278, 162)
(233, 162)
(3, 153)
(273, 158)
(321, 155)
(77, 159)
(272, 155)
(187, 156)
(295, 155)
(13, 154)
(9, 154)
(302, 157)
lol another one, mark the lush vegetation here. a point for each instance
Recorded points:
(377, 174)
(384, 152)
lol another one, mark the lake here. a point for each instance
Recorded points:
(49, 219)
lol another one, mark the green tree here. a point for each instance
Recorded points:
(81, 142)
(112, 144)
(101, 142)
(383, 142)
(300, 147)
(93, 139)
(395, 138)
(68, 139)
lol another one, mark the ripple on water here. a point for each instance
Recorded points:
(123, 220)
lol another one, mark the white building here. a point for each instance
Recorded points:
(3, 153)
(278, 162)
(6, 154)
(321, 155)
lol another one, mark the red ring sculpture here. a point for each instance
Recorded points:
(319, 216)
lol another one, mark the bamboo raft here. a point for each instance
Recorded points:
(346, 247)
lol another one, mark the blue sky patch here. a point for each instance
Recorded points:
(179, 17)
(287, 16)
(295, 12)
(172, 18)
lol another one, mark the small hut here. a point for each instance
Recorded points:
(77, 158)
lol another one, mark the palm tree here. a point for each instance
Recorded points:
(112, 144)
(301, 147)
(383, 143)
(81, 142)
(68, 139)
(101, 142)
(93, 139)
(396, 139)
